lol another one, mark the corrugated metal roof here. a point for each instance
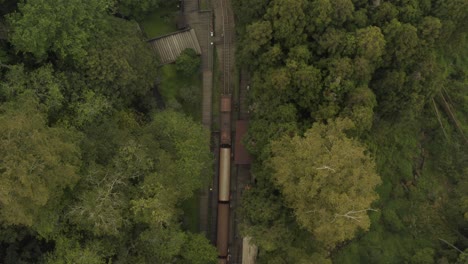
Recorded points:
(169, 47)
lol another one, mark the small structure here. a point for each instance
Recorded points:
(241, 156)
(169, 47)
(249, 251)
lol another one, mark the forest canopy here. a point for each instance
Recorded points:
(358, 128)
(92, 170)
(396, 70)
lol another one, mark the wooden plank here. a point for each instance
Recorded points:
(169, 47)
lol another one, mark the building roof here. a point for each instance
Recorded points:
(169, 47)
(241, 156)
(249, 251)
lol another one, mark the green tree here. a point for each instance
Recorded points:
(119, 63)
(187, 144)
(248, 10)
(320, 15)
(342, 11)
(159, 245)
(263, 218)
(288, 21)
(430, 30)
(101, 202)
(70, 251)
(189, 95)
(272, 121)
(300, 54)
(258, 34)
(180, 164)
(327, 179)
(360, 108)
(336, 42)
(188, 62)
(197, 250)
(384, 13)
(423, 256)
(402, 42)
(44, 83)
(91, 109)
(269, 59)
(454, 19)
(395, 94)
(138, 9)
(39, 163)
(370, 43)
(308, 83)
(59, 26)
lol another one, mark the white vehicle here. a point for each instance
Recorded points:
(211, 43)
(211, 33)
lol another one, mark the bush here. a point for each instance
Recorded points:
(188, 62)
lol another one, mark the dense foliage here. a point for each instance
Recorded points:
(397, 70)
(90, 172)
(188, 62)
(327, 179)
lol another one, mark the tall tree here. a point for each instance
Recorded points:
(288, 21)
(188, 62)
(138, 8)
(180, 164)
(59, 26)
(119, 63)
(370, 43)
(44, 83)
(68, 250)
(39, 164)
(327, 179)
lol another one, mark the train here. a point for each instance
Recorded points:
(224, 180)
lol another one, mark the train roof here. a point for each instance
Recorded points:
(225, 103)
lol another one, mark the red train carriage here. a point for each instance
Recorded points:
(222, 241)
(225, 119)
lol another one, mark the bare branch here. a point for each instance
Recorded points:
(326, 148)
(5, 66)
(439, 119)
(457, 249)
(353, 215)
(325, 168)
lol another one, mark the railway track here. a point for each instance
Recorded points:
(225, 228)
(228, 37)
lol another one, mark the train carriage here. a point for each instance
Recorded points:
(225, 119)
(224, 174)
(222, 241)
